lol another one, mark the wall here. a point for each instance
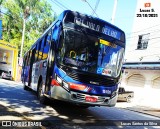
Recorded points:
(11, 62)
(6, 63)
(147, 95)
(144, 25)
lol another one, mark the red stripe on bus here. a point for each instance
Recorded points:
(54, 83)
(77, 86)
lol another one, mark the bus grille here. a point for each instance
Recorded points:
(81, 98)
(89, 78)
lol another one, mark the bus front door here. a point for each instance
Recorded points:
(32, 60)
(50, 66)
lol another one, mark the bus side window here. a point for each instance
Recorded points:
(42, 47)
(36, 54)
(24, 61)
(46, 47)
(28, 58)
(39, 50)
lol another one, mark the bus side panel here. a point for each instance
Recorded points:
(44, 70)
(35, 75)
(26, 75)
(39, 69)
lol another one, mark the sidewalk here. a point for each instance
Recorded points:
(138, 108)
(145, 110)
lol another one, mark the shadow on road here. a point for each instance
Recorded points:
(4, 111)
(58, 114)
(27, 104)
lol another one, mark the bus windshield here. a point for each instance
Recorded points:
(84, 52)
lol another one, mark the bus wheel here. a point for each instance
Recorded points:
(41, 97)
(25, 87)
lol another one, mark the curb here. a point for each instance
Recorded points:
(144, 112)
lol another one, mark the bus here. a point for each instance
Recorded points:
(78, 59)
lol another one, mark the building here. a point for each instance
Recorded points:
(142, 57)
(8, 58)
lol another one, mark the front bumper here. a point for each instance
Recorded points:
(57, 92)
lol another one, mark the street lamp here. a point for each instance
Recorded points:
(26, 14)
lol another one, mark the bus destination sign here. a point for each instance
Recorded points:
(94, 24)
(98, 27)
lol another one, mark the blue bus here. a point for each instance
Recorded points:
(78, 59)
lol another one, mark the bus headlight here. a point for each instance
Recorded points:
(62, 83)
(59, 79)
(66, 85)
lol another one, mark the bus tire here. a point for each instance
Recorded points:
(41, 97)
(25, 87)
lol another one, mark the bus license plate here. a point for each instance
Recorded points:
(91, 99)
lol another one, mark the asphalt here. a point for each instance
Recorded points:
(7, 113)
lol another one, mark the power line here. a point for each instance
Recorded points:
(96, 6)
(59, 5)
(151, 32)
(153, 43)
(151, 55)
(144, 29)
(148, 39)
(149, 44)
(91, 7)
(154, 38)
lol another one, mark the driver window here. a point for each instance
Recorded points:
(61, 48)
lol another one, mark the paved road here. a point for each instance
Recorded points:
(26, 105)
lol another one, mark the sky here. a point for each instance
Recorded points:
(125, 11)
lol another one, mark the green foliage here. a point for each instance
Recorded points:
(38, 14)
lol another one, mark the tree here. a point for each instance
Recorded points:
(39, 16)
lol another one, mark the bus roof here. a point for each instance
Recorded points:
(85, 20)
(75, 13)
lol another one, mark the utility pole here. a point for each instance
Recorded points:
(114, 11)
(0, 21)
(23, 34)
(26, 14)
